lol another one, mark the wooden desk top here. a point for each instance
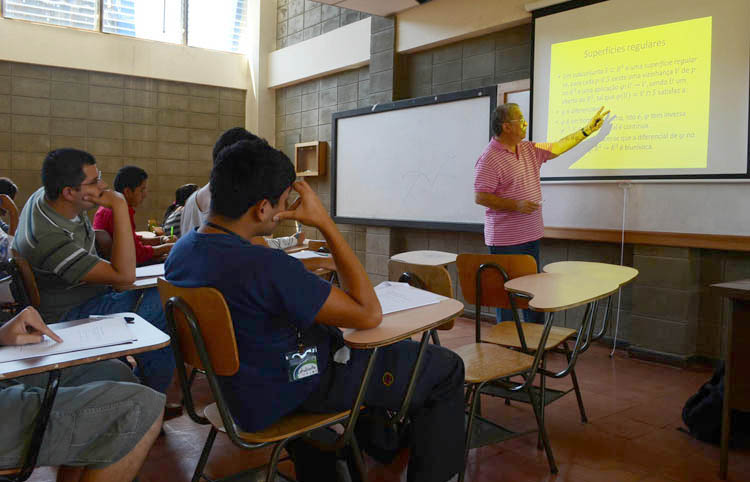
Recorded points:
(734, 289)
(557, 291)
(403, 324)
(611, 272)
(149, 338)
(426, 258)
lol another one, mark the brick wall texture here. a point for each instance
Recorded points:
(167, 128)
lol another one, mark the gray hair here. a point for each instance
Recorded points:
(501, 115)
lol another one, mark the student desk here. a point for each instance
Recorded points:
(400, 326)
(608, 272)
(148, 338)
(553, 292)
(426, 258)
(736, 359)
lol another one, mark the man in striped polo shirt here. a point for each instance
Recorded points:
(55, 236)
(506, 182)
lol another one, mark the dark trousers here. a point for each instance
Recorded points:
(532, 248)
(436, 413)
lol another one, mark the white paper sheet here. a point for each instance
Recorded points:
(96, 333)
(307, 254)
(150, 271)
(400, 296)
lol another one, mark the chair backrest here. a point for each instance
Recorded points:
(211, 314)
(431, 278)
(493, 292)
(21, 284)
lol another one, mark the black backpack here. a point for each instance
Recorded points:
(702, 414)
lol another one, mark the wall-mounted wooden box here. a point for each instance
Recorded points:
(310, 158)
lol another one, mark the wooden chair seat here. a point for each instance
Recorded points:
(505, 334)
(485, 361)
(10, 471)
(288, 426)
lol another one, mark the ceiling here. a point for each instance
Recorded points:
(381, 8)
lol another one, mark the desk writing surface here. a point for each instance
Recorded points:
(613, 272)
(557, 291)
(149, 338)
(403, 324)
(426, 257)
(734, 289)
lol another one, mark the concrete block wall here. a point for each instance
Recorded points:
(167, 128)
(304, 113)
(478, 62)
(299, 20)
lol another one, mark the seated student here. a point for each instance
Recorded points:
(132, 182)
(195, 212)
(56, 238)
(173, 214)
(275, 304)
(102, 423)
(8, 190)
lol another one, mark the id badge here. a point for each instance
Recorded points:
(302, 364)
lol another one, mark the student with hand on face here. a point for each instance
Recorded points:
(56, 238)
(132, 183)
(276, 305)
(102, 424)
(196, 207)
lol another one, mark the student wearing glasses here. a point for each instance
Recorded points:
(55, 236)
(506, 182)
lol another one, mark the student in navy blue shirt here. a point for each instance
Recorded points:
(275, 302)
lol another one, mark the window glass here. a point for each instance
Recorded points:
(218, 24)
(70, 13)
(148, 19)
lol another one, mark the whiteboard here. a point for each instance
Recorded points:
(411, 163)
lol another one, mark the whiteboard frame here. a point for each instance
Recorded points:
(489, 91)
(571, 5)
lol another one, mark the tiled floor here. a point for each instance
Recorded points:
(633, 409)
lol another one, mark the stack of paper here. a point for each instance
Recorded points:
(150, 271)
(94, 333)
(401, 296)
(306, 254)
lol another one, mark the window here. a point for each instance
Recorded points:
(148, 19)
(218, 24)
(70, 13)
(212, 24)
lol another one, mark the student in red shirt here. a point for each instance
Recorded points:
(132, 182)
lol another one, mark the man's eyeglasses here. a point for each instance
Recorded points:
(522, 121)
(94, 182)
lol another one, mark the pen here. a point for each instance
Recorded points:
(171, 231)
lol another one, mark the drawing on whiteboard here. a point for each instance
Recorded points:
(417, 177)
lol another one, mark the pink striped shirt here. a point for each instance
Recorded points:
(509, 175)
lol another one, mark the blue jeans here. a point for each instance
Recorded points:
(155, 368)
(532, 248)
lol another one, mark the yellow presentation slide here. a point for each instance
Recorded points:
(657, 83)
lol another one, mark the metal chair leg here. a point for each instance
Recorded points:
(538, 413)
(198, 474)
(576, 388)
(475, 396)
(271, 474)
(542, 398)
(358, 462)
(435, 338)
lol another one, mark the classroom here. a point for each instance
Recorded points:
(560, 183)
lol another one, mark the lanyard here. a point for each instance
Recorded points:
(300, 344)
(226, 230)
